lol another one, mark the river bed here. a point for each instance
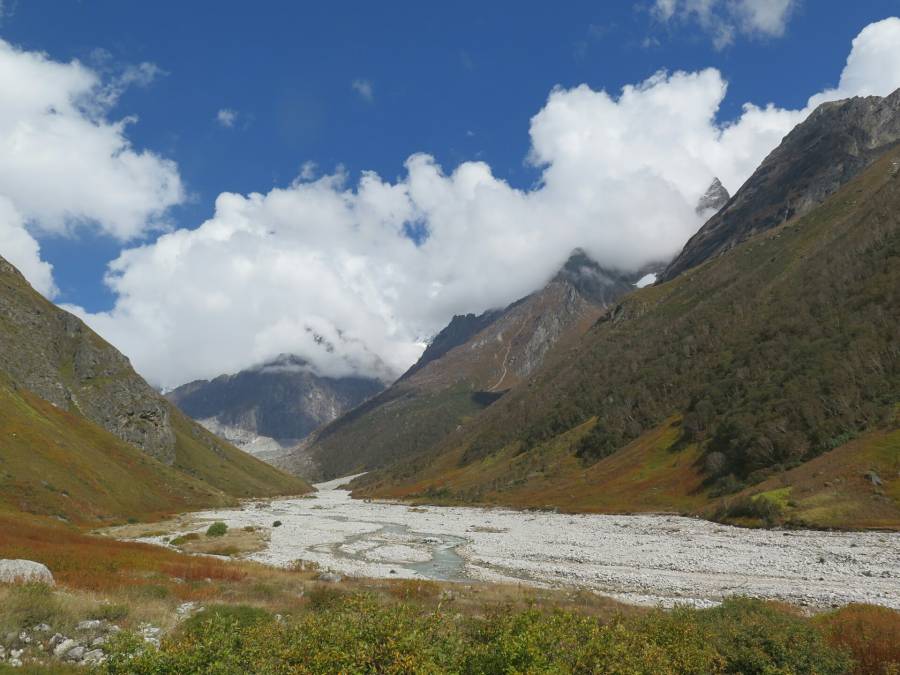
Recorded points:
(642, 559)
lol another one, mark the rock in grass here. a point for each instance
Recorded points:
(24, 572)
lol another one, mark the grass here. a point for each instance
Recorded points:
(650, 474)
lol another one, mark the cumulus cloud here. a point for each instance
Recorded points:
(21, 249)
(325, 268)
(365, 89)
(65, 165)
(226, 117)
(724, 19)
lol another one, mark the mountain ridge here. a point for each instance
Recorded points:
(75, 409)
(739, 360)
(837, 141)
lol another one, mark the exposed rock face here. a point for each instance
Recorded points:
(282, 400)
(836, 142)
(715, 197)
(24, 572)
(468, 366)
(53, 354)
(461, 328)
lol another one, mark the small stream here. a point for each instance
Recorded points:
(443, 562)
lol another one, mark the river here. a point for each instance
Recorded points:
(642, 559)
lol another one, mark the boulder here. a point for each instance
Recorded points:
(23, 572)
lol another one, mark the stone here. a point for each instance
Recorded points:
(76, 653)
(94, 657)
(24, 572)
(63, 647)
(874, 478)
(89, 624)
(330, 577)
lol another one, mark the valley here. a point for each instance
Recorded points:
(639, 559)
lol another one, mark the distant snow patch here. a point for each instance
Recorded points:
(646, 280)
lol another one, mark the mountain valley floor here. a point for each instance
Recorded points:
(639, 559)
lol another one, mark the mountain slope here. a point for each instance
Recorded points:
(282, 400)
(781, 351)
(468, 366)
(72, 401)
(836, 142)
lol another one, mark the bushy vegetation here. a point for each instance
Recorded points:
(758, 507)
(217, 529)
(361, 635)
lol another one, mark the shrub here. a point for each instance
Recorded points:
(358, 634)
(277, 523)
(29, 605)
(759, 637)
(240, 616)
(217, 529)
(757, 507)
(870, 634)
(185, 538)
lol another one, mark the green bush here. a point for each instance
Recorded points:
(217, 529)
(757, 507)
(185, 538)
(361, 635)
(241, 616)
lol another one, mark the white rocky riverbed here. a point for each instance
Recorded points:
(655, 559)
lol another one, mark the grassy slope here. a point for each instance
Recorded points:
(204, 456)
(646, 475)
(57, 463)
(792, 334)
(61, 463)
(54, 462)
(421, 411)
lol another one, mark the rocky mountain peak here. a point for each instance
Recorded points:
(715, 197)
(820, 155)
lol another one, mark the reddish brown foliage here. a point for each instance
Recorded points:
(871, 634)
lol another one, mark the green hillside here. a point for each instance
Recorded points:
(778, 352)
(83, 437)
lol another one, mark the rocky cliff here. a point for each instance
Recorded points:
(469, 365)
(834, 144)
(283, 400)
(74, 410)
(53, 354)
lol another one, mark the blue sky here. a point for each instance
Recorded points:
(458, 80)
(240, 97)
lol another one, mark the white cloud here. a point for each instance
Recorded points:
(323, 268)
(227, 117)
(21, 249)
(65, 165)
(365, 89)
(724, 19)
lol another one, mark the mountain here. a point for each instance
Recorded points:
(836, 142)
(760, 386)
(469, 365)
(272, 406)
(83, 436)
(715, 197)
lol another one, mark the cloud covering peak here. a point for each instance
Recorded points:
(325, 268)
